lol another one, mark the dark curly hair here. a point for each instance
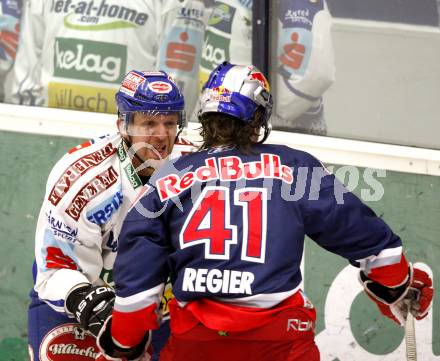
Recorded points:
(221, 129)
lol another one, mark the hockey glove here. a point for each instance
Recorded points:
(414, 295)
(112, 351)
(91, 305)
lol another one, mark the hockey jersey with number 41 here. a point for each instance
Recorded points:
(231, 227)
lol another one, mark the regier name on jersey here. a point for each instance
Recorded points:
(217, 281)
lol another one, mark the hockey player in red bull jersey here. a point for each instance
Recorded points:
(228, 224)
(88, 194)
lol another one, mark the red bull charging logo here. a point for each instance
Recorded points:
(257, 75)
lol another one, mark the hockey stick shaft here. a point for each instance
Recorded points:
(410, 338)
(410, 331)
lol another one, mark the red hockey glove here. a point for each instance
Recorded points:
(415, 295)
(111, 351)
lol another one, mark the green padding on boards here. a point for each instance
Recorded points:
(410, 204)
(26, 161)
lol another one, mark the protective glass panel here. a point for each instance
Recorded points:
(370, 73)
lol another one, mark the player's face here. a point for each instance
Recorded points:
(153, 135)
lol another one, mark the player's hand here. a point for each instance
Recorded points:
(414, 296)
(91, 305)
(111, 351)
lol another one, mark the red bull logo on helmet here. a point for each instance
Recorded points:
(220, 90)
(257, 75)
(220, 94)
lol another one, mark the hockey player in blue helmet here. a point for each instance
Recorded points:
(150, 117)
(233, 218)
(90, 190)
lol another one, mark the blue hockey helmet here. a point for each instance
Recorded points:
(152, 92)
(238, 91)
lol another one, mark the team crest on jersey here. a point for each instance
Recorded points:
(68, 342)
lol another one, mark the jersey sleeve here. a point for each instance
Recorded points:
(341, 223)
(139, 288)
(26, 83)
(306, 65)
(67, 251)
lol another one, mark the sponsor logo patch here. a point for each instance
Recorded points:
(191, 15)
(68, 342)
(132, 176)
(181, 52)
(221, 17)
(87, 98)
(55, 258)
(60, 229)
(121, 152)
(225, 169)
(96, 186)
(11, 7)
(219, 94)
(160, 87)
(256, 75)
(89, 60)
(76, 170)
(153, 73)
(299, 15)
(215, 50)
(131, 83)
(94, 15)
(102, 213)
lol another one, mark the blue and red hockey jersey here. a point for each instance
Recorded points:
(229, 229)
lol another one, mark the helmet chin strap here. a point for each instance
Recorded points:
(177, 135)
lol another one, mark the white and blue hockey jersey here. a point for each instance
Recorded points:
(88, 193)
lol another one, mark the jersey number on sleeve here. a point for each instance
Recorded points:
(209, 223)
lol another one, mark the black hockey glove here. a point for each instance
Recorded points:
(91, 306)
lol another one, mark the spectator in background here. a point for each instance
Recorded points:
(73, 54)
(305, 61)
(10, 13)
